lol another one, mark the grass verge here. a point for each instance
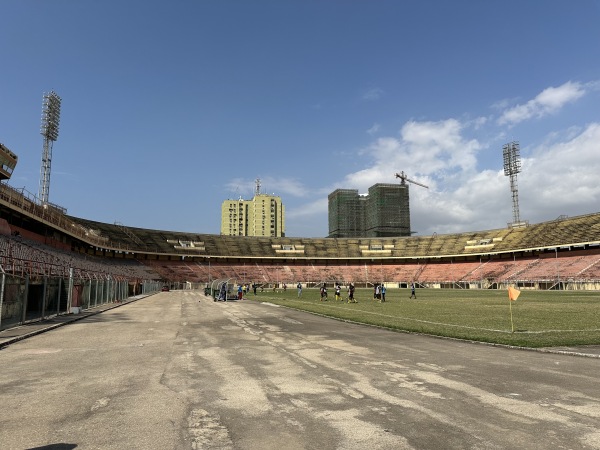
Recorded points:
(539, 318)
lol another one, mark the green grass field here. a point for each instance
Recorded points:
(539, 318)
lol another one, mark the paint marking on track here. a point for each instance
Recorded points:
(271, 304)
(295, 322)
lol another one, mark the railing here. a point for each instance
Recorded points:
(27, 203)
(56, 295)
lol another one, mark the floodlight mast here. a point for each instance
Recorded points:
(512, 166)
(49, 130)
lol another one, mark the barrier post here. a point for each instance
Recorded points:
(2, 294)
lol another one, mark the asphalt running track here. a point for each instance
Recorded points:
(179, 371)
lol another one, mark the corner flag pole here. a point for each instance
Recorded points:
(512, 326)
(513, 294)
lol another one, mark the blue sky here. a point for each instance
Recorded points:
(171, 107)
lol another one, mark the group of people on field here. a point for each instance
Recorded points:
(244, 288)
(338, 293)
(379, 291)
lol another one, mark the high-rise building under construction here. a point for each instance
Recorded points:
(383, 212)
(346, 213)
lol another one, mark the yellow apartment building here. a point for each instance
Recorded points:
(264, 215)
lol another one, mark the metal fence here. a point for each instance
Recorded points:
(29, 298)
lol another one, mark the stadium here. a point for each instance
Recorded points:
(52, 262)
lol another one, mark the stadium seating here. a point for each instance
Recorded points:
(472, 257)
(19, 256)
(558, 250)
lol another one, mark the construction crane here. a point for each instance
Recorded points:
(404, 178)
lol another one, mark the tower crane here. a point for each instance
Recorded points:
(404, 178)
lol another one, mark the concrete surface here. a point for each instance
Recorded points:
(35, 327)
(179, 371)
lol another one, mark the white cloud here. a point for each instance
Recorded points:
(503, 104)
(424, 149)
(239, 187)
(546, 102)
(309, 210)
(372, 94)
(268, 185)
(478, 123)
(555, 180)
(431, 153)
(374, 129)
(479, 201)
(559, 175)
(285, 186)
(563, 177)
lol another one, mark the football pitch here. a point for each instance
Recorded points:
(535, 319)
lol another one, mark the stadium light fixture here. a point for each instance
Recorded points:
(49, 130)
(511, 153)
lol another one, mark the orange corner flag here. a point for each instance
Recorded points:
(513, 294)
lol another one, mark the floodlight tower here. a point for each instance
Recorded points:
(49, 130)
(512, 166)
